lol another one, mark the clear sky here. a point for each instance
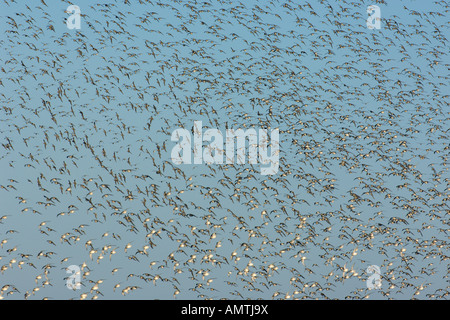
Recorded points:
(86, 120)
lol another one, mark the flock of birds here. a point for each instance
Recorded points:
(87, 179)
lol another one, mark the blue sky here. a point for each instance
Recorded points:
(89, 114)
